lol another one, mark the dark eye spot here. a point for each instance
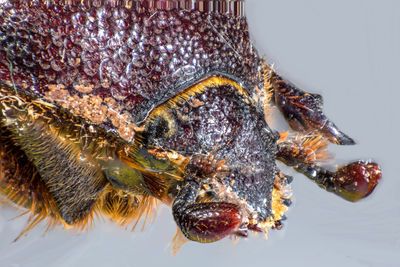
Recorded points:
(158, 128)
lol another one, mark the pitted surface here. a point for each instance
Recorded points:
(218, 123)
(133, 56)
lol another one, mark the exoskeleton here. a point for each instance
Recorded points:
(109, 106)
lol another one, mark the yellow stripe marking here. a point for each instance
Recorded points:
(202, 86)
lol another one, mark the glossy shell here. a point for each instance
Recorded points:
(113, 65)
(112, 105)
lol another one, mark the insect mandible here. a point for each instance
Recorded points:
(107, 107)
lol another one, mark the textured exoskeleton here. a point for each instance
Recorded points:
(107, 106)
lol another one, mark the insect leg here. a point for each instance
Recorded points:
(206, 221)
(352, 182)
(20, 181)
(303, 111)
(73, 178)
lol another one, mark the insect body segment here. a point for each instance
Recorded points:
(352, 182)
(303, 111)
(108, 107)
(205, 221)
(62, 166)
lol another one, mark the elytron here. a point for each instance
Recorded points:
(108, 107)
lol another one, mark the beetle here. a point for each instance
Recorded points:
(110, 106)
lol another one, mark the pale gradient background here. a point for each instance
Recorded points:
(346, 50)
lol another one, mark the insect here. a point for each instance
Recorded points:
(107, 107)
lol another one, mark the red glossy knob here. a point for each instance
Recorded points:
(209, 222)
(356, 180)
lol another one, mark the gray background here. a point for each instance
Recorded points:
(346, 50)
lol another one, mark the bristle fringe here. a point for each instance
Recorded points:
(178, 241)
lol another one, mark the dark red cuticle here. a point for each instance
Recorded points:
(357, 179)
(209, 222)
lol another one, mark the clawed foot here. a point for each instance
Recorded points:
(303, 112)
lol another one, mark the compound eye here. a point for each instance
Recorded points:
(159, 126)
